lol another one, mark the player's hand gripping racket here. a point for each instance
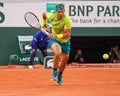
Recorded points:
(33, 21)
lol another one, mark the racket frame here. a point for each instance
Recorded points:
(40, 27)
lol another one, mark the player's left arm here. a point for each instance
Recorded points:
(66, 33)
(67, 29)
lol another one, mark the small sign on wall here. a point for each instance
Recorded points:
(48, 62)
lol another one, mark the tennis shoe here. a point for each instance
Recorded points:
(59, 80)
(54, 75)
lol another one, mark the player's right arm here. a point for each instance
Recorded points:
(44, 19)
(47, 15)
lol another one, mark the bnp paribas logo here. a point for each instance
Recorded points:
(51, 7)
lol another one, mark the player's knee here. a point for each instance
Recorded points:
(64, 57)
(57, 53)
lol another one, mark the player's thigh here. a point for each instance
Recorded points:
(56, 48)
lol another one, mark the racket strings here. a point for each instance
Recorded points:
(32, 20)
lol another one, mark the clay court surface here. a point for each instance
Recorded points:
(77, 81)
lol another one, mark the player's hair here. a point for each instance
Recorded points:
(60, 5)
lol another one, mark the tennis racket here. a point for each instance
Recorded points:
(33, 21)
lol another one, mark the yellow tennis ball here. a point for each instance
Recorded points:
(105, 56)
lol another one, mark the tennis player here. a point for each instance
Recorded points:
(60, 40)
(40, 41)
